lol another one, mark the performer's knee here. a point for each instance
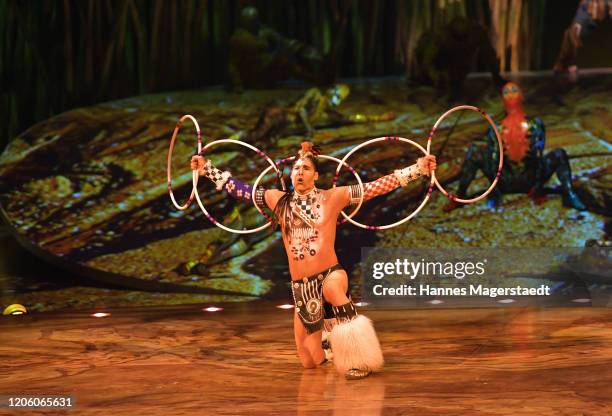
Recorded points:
(308, 364)
(305, 357)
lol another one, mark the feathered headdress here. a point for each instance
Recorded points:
(309, 149)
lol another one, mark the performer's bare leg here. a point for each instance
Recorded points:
(335, 288)
(308, 346)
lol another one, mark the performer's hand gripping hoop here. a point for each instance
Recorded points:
(501, 154)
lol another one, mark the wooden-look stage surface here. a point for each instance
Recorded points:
(242, 360)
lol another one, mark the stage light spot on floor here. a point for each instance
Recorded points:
(212, 309)
(506, 301)
(362, 304)
(286, 306)
(435, 301)
(100, 314)
(581, 300)
(15, 309)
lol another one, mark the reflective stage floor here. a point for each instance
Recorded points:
(241, 360)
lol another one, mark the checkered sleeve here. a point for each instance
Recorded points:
(218, 177)
(380, 186)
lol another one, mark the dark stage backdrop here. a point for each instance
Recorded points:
(56, 55)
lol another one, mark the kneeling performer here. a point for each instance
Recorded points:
(307, 216)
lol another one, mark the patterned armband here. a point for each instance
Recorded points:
(407, 174)
(238, 189)
(260, 200)
(218, 177)
(355, 194)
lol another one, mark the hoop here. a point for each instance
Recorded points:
(199, 201)
(412, 214)
(340, 162)
(169, 168)
(501, 154)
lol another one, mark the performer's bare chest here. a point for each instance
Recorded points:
(312, 225)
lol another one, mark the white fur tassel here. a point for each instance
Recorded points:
(355, 345)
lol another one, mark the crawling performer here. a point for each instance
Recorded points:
(312, 108)
(589, 15)
(307, 217)
(526, 167)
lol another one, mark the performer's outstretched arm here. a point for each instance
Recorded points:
(233, 186)
(386, 184)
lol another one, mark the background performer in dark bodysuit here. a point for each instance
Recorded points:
(526, 167)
